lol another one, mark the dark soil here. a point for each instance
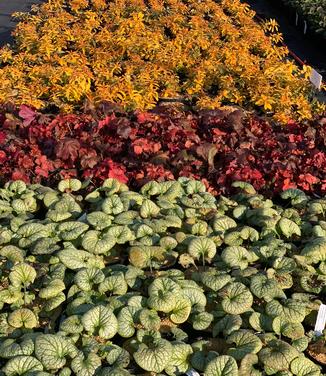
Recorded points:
(317, 351)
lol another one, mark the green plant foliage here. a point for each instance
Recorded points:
(202, 320)
(277, 356)
(96, 242)
(52, 350)
(236, 298)
(69, 185)
(302, 366)
(202, 248)
(227, 325)
(85, 365)
(100, 321)
(246, 343)
(155, 356)
(160, 284)
(21, 365)
(180, 360)
(236, 256)
(22, 274)
(163, 295)
(22, 318)
(247, 366)
(222, 366)
(266, 288)
(126, 321)
(314, 11)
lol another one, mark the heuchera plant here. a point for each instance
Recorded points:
(217, 147)
(164, 280)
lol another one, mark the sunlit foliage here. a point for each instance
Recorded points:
(133, 52)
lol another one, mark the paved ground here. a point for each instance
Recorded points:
(7, 7)
(307, 48)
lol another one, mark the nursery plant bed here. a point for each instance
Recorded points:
(170, 141)
(85, 288)
(214, 53)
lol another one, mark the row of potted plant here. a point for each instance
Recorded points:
(313, 11)
(215, 146)
(132, 53)
(162, 281)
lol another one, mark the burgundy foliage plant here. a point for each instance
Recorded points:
(217, 146)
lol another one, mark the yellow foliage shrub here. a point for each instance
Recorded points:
(134, 52)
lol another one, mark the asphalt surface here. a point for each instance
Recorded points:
(7, 24)
(308, 48)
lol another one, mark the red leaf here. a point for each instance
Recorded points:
(142, 145)
(2, 138)
(26, 162)
(310, 179)
(67, 174)
(144, 117)
(68, 149)
(19, 175)
(89, 160)
(207, 151)
(44, 166)
(218, 132)
(103, 123)
(287, 184)
(219, 146)
(138, 149)
(27, 114)
(3, 156)
(123, 127)
(117, 172)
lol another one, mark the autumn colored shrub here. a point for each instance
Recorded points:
(133, 52)
(217, 146)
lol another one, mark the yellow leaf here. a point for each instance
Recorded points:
(265, 102)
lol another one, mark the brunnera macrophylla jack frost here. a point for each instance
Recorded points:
(111, 281)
